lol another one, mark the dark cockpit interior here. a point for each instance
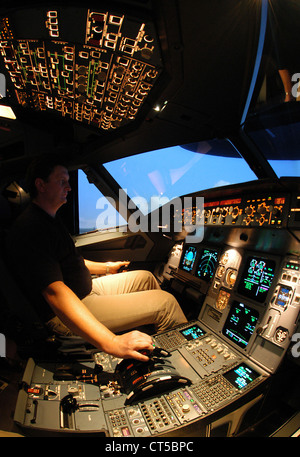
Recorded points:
(180, 125)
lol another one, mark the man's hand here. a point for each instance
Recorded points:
(114, 267)
(130, 344)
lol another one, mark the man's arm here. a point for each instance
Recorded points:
(100, 268)
(74, 314)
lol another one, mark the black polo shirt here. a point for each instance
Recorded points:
(41, 252)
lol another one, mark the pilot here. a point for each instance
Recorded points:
(60, 284)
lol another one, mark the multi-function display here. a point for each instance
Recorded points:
(193, 332)
(207, 264)
(188, 258)
(240, 324)
(241, 376)
(207, 260)
(257, 278)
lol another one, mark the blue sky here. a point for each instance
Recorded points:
(169, 173)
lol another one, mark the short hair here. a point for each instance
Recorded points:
(41, 167)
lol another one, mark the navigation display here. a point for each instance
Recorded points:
(240, 324)
(188, 258)
(241, 376)
(207, 264)
(257, 278)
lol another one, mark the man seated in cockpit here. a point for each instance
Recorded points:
(59, 282)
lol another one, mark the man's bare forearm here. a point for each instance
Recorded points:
(75, 315)
(100, 268)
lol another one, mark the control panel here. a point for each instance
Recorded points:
(96, 67)
(89, 397)
(270, 204)
(250, 297)
(250, 310)
(249, 210)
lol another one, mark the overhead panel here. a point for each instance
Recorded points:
(95, 67)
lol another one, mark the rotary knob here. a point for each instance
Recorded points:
(185, 408)
(235, 212)
(231, 277)
(262, 209)
(276, 211)
(249, 210)
(224, 212)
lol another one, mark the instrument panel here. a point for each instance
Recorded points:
(249, 312)
(246, 211)
(97, 69)
(207, 364)
(246, 274)
(250, 297)
(90, 397)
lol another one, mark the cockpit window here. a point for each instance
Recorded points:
(279, 74)
(153, 178)
(280, 146)
(273, 120)
(96, 212)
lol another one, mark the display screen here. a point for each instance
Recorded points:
(207, 264)
(240, 324)
(283, 296)
(188, 258)
(257, 278)
(241, 376)
(193, 332)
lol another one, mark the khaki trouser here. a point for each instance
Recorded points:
(127, 300)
